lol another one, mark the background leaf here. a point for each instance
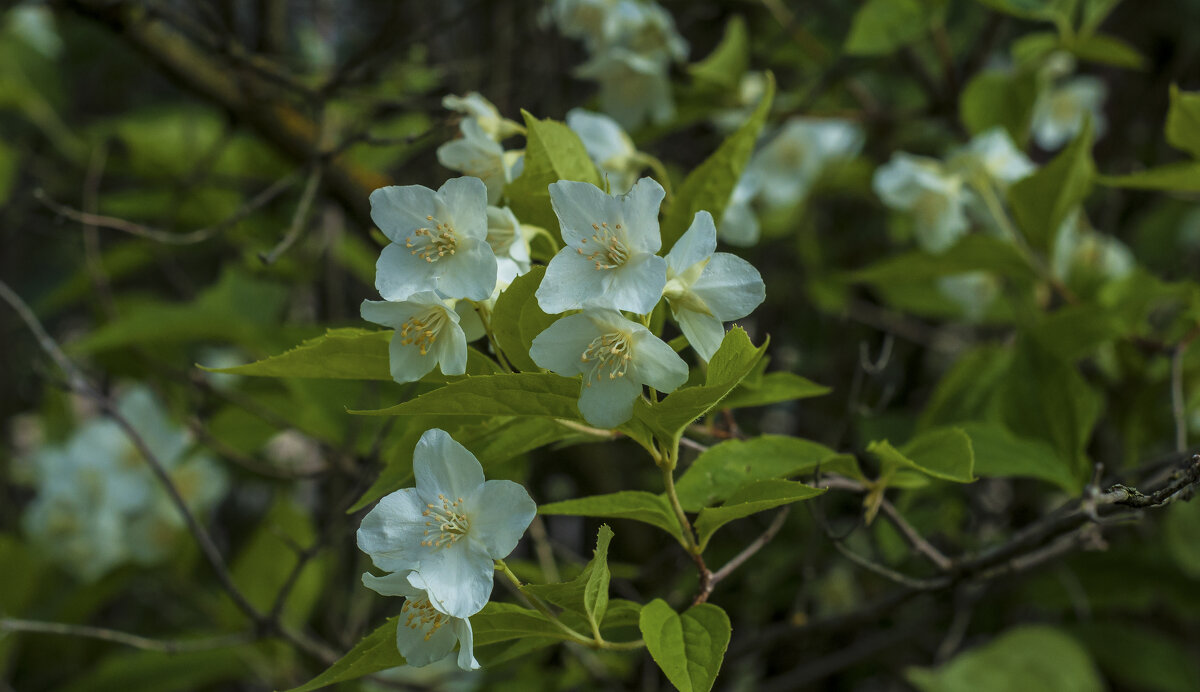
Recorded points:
(689, 648)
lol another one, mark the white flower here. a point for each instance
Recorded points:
(993, 154)
(450, 529)
(614, 355)
(645, 28)
(1061, 109)
(439, 240)
(479, 156)
(424, 634)
(429, 332)
(484, 113)
(608, 146)
(739, 224)
(934, 196)
(611, 240)
(974, 292)
(750, 90)
(791, 162)
(633, 87)
(1080, 249)
(509, 242)
(583, 19)
(706, 288)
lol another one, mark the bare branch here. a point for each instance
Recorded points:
(169, 646)
(299, 217)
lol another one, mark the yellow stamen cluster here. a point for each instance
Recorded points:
(610, 251)
(432, 245)
(422, 330)
(421, 615)
(447, 523)
(609, 353)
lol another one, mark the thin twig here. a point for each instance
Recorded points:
(299, 217)
(169, 646)
(167, 237)
(754, 547)
(915, 539)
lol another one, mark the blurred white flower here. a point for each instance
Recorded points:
(974, 292)
(633, 88)
(791, 161)
(479, 156)
(934, 196)
(609, 147)
(1061, 109)
(484, 113)
(994, 155)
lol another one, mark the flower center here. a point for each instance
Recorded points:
(422, 330)
(422, 615)
(447, 523)
(432, 245)
(609, 354)
(609, 250)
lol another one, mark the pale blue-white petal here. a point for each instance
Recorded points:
(703, 332)
(399, 274)
(393, 584)
(417, 649)
(739, 225)
(470, 273)
(392, 532)
(466, 198)
(940, 221)
(608, 403)
(443, 466)
(406, 362)
(388, 313)
(451, 348)
(466, 644)
(559, 347)
(894, 181)
(730, 286)
(602, 137)
(500, 513)
(695, 246)
(400, 210)
(640, 208)
(655, 363)
(571, 280)
(458, 577)
(579, 205)
(635, 286)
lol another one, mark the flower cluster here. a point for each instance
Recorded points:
(784, 170)
(1065, 102)
(631, 45)
(98, 505)
(439, 542)
(478, 151)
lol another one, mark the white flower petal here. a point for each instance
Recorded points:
(608, 403)
(392, 532)
(399, 274)
(419, 645)
(394, 584)
(656, 364)
(704, 332)
(730, 286)
(636, 286)
(571, 278)
(466, 644)
(470, 273)
(560, 346)
(695, 246)
(640, 208)
(501, 510)
(451, 346)
(400, 210)
(458, 577)
(579, 205)
(443, 466)
(466, 198)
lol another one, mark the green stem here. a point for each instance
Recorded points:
(542, 608)
(485, 316)
(988, 192)
(668, 472)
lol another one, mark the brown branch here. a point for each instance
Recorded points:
(751, 549)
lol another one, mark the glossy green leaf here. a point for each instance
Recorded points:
(1183, 121)
(726, 64)
(1183, 176)
(637, 505)
(999, 98)
(724, 468)
(499, 622)
(774, 388)
(710, 184)
(880, 27)
(969, 390)
(508, 394)
(1033, 658)
(517, 319)
(356, 354)
(1137, 657)
(689, 648)
(975, 252)
(587, 594)
(943, 453)
(750, 499)
(375, 652)
(1108, 50)
(553, 152)
(1045, 10)
(1001, 454)
(1040, 202)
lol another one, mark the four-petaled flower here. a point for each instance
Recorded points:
(609, 260)
(429, 332)
(439, 241)
(706, 288)
(450, 529)
(424, 634)
(614, 355)
(934, 196)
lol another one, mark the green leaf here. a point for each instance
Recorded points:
(508, 394)
(1075, 331)
(1042, 397)
(587, 594)
(974, 252)
(154, 671)
(1182, 176)
(1108, 50)
(689, 648)
(732, 362)
(637, 505)
(727, 63)
(1042, 201)
(499, 622)
(377, 651)
(1137, 657)
(517, 319)
(1045, 10)
(999, 98)
(710, 185)
(968, 391)
(1183, 121)
(880, 27)
(8, 171)
(943, 453)
(751, 499)
(1033, 658)
(724, 468)
(354, 354)
(553, 152)
(1001, 454)
(1181, 531)
(774, 388)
